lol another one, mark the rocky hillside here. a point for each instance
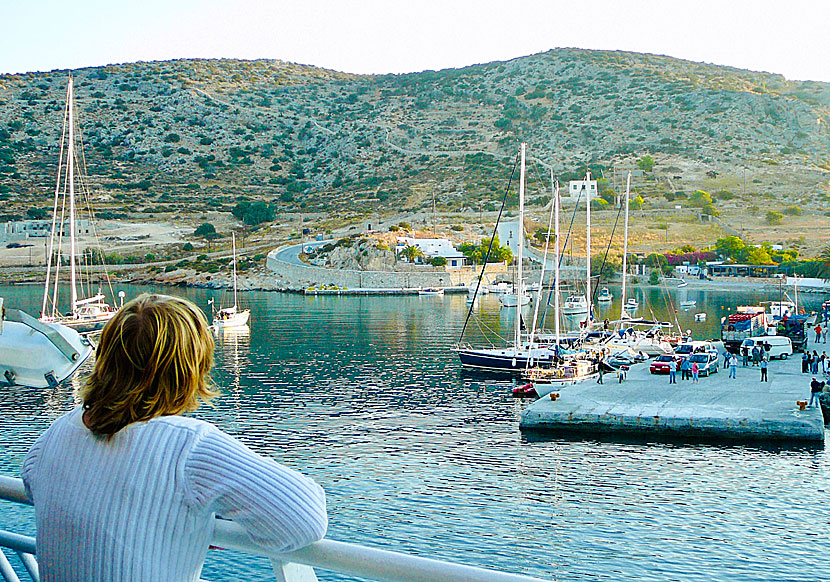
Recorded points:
(189, 135)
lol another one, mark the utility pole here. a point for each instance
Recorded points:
(433, 214)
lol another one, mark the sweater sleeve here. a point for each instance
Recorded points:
(29, 464)
(280, 509)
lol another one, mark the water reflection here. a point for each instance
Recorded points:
(365, 395)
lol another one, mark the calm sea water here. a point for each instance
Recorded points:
(418, 456)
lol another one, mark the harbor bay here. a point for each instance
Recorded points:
(417, 455)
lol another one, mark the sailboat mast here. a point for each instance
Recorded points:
(233, 239)
(625, 247)
(589, 315)
(43, 312)
(519, 248)
(556, 261)
(71, 173)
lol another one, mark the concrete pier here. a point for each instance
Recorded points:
(717, 408)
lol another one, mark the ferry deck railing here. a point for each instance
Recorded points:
(297, 566)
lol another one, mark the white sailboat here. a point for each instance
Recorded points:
(37, 354)
(566, 369)
(232, 316)
(649, 340)
(85, 314)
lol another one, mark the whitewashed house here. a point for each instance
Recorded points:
(434, 247)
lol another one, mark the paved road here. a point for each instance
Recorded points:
(291, 255)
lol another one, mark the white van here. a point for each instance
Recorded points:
(779, 346)
(695, 347)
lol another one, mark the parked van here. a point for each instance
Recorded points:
(779, 346)
(695, 347)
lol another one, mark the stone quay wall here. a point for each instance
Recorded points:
(298, 277)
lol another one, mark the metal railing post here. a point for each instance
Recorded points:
(289, 572)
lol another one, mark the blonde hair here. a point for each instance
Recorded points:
(153, 359)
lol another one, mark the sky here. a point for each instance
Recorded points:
(791, 38)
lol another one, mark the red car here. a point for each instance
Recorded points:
(660, 364)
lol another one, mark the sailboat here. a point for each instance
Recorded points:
(37, 354)
(231, 316)
(571, 366)
(635, 333)
(516, 357)
(85, 314)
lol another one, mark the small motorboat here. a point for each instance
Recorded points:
(511, 299)
(683, 283)
(632, 304)
(700, 317)
(604, 295)
(574, 305)
(525, 391)
(689, 303)
(432, 291)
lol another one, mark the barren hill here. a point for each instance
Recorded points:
(191, 135)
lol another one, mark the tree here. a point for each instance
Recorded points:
(758, 256)
(731, 247)
(205, 229)
(478, 253)
(774, 217)
(636, 203)
(411, 252)
(438, 262)
(646, 163)
(654, 277)
(253, 213)
(37, 213)
(823, 261)
(700, 199)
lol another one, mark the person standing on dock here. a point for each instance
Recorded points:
(673, 371)
(818, 333)
(814, 363)
(733, 366)
(805, 362)
(695, 371)
(764, 369)
(756, 355)
(816, 388)
(685, 369)
(125, 488)
(744, 356)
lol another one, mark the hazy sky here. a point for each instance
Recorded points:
(369, 36)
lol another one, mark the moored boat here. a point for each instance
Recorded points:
(605, 295)
(38, 354)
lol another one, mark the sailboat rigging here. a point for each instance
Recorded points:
(85, 314)
(513, 358)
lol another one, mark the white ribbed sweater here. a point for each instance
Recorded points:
(141, 505)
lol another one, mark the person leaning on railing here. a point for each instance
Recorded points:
(126, 489)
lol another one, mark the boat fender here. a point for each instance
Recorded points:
(513, 364)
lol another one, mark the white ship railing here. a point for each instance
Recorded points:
(297, 566)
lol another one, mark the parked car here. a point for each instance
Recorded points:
(707, 363)
(660, 364)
